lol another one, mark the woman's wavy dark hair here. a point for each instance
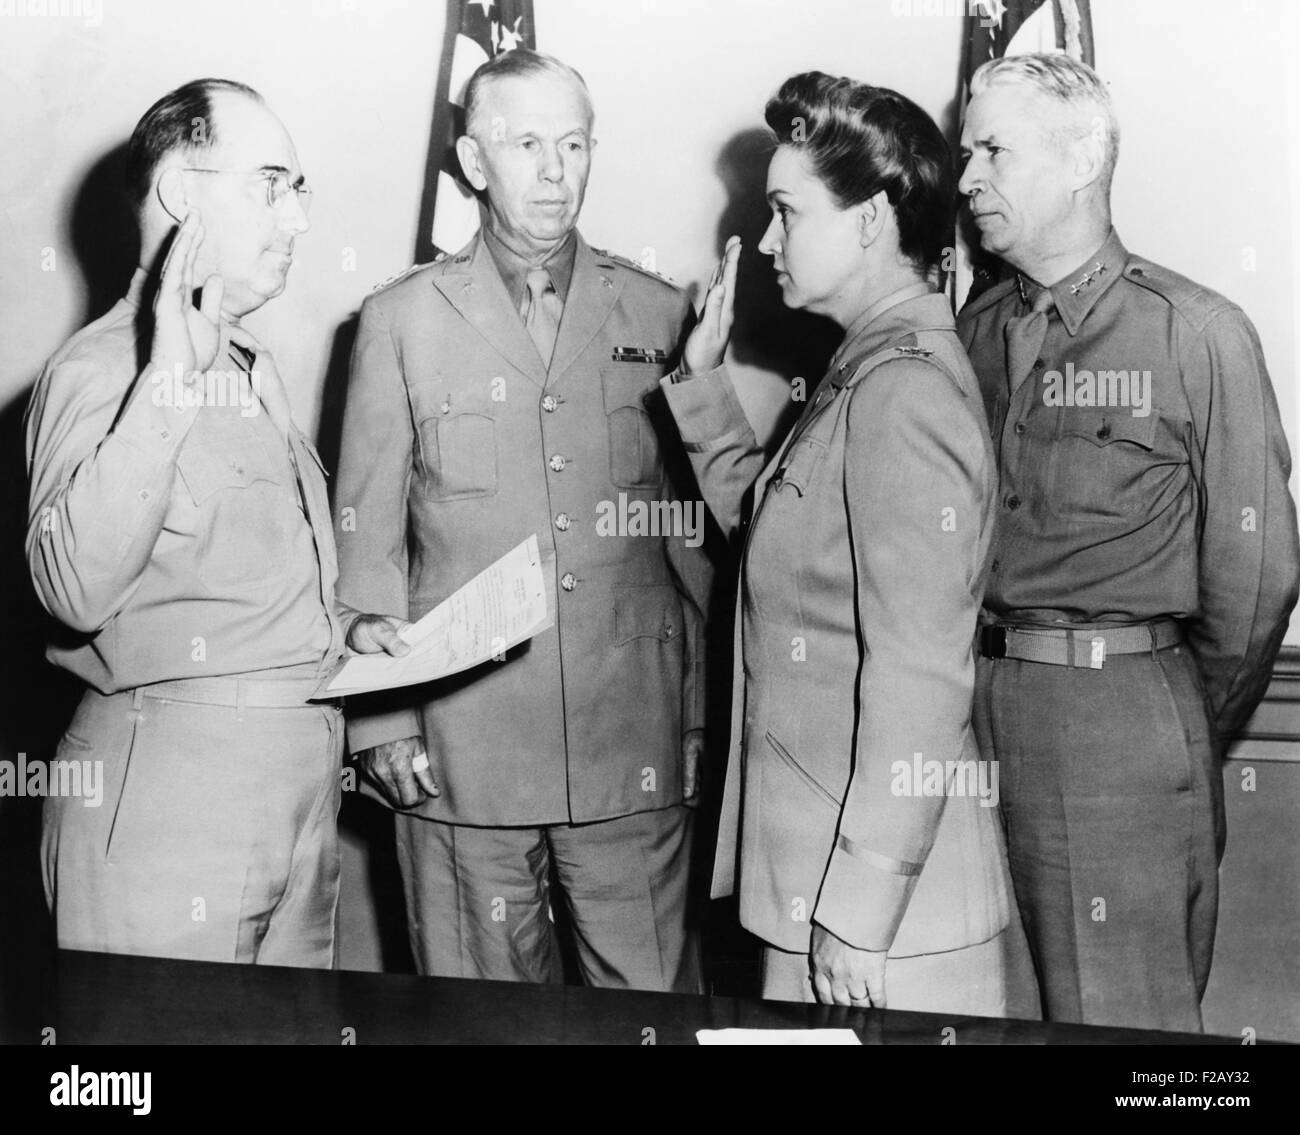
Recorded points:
(860, 139)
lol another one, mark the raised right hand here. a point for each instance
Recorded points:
(708, 340)
(388, 767)
(183, 333)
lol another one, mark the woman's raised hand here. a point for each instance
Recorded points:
(707, 343)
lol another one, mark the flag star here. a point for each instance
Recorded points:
(511, 37)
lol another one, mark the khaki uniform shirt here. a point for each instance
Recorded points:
(172, 539)
(1143, 468)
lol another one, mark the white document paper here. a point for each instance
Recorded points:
(500, 607)
(777, 1036)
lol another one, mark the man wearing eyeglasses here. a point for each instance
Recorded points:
(179, 531)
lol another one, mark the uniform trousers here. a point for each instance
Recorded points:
(216, 838)
(478, 900)
(1113, 803)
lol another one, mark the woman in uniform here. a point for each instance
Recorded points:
(859, 823)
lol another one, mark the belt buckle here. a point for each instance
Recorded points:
(993, 642)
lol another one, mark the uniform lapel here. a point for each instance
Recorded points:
(596, 285)
(472, 285)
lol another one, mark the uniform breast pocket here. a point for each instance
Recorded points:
(458, 455)
(634, 458)
(242, 496)
(1103, 464)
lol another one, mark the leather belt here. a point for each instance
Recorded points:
(254, 693)
(1085, 646)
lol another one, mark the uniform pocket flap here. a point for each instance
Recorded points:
(1105, 427)
(653, 611)
(627, 384)
(208, 469)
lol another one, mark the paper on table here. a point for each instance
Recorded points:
(777, 1036)
(499, 608)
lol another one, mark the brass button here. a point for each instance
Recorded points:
(557, 462)
(562, 522)
(568, 581)
(549, 403)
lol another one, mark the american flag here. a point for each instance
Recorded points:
(479, 30)
(995, 28)
(1013, 27)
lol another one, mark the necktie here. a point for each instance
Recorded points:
(541, 311)
(269, 389)
(1025, 335)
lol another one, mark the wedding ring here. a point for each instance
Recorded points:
(419, 762)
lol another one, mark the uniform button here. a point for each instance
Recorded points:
(1020, 427)
(568, 581)
(557, 462)
(562, 522)
(669, 630)
(1039, 364)
(1013, 502)
(549, 403)
(239, 470)
(144, 496)
(1136, 271)
(995, 565)
(166, 435)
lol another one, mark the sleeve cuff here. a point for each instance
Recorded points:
(365, 731)
(705, 406)
(864, 895)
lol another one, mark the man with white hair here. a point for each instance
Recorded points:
(498, 393)
(1145, 564)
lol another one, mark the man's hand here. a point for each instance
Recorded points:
(400, 770)
(845, 975)
(369, 634)
(692, 758)
(708, 340)
(184, 334)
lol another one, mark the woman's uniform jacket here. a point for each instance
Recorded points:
(863, 566)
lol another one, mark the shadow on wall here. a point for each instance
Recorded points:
(104, 234)
(766, 333)
(37, 699)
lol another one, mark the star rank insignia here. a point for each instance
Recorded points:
(1087, 278)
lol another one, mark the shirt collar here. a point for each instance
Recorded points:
(514, 268)
(1077, 292)
(870, 332)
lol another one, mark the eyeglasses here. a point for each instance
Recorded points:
(278, 185)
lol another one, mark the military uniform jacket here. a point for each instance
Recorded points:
(862, 572)
(458, 444)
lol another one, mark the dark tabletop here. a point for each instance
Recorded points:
(116, 999)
